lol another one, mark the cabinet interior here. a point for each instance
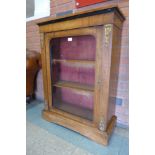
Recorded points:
(72, 60)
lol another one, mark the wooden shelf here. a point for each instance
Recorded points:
(74, 85)
(73, 109)
(89, 62)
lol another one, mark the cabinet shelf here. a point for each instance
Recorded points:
(88, 62)
(74, 85)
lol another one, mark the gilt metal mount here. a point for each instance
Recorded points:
(102, 124)
(107, 30)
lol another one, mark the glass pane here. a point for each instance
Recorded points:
(81, 73)
(73, 74)
(74, 48)
(73, 101)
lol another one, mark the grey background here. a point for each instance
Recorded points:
(29, 8)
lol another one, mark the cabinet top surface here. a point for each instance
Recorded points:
(92, 12)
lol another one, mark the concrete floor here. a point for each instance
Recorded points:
(44, 138)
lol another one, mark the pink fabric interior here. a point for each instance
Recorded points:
(80, 74)
(80, 48)
(71, 96)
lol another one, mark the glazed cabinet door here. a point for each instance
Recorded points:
(71, 69)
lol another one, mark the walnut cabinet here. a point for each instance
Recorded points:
(80, 61)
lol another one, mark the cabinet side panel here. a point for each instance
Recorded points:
(103, 62)
(115, 61)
